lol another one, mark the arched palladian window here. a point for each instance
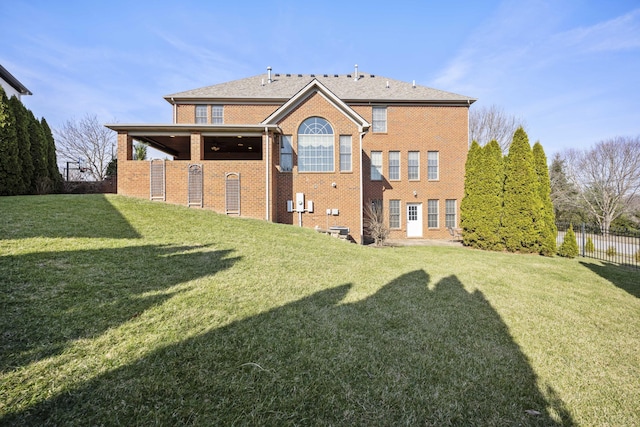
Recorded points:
(315, 146)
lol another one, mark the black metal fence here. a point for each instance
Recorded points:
(620, 246)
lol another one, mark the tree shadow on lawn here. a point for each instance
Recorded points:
(49, 299)
(404, 356)
(66, 216)
(624, 278)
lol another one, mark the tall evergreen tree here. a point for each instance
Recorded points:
(470, 201)
(564, 195)
(24, 143)
(546, 224)
(41, 182)
(52, 159)
(491, 191)
(10, 176)
(522, 204)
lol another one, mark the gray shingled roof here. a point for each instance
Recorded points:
(368, 87)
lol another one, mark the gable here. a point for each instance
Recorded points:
(315, 88)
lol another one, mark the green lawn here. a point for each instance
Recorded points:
(116, 311)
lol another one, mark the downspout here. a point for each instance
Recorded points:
(362, 133)
(175, 111)
(267, 198)
(468, 125)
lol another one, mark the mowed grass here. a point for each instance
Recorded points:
(116, 311)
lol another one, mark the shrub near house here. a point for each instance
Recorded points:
(507, 200)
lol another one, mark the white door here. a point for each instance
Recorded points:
(414, 219)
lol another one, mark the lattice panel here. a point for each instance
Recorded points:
(157, 180)
(195, 186)
(232, 194)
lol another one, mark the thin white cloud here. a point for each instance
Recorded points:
(621, 33)
(498, 48)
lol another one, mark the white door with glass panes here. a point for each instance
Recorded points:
(414, 219)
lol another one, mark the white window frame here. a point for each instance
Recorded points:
(286, 153)
(433, 215)
(395, 214)
(316, 146)
(450, 213)
(345, 153)
(433, 165)
(379, 119)
(376, 166)
(201, 114)
(411, 167)
(217, 114)
(394, 165)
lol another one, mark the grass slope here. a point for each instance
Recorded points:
(115, 311)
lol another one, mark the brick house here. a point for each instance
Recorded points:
(309, 150)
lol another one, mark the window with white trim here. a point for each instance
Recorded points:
(432, 165)
(201, 114)
(450, 213)
(376, 165)
(413, 166)
(315, 146)
(217, 114)
(432, 213)
(286, 154)
(379, 122)
(394, 213)
(394, 165)
(345, 153)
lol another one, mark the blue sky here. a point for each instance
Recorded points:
(569, 68)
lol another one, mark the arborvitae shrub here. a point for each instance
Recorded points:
(611, 251)
(589, 247)
(10, 171)
(522, 207)
(569, 246)
(546, 224)
(637, 256)
(469, 206)
(491, 194)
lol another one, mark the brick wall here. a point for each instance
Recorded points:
(233, 113)
(345, 196)
(423, 129)
(409, 128)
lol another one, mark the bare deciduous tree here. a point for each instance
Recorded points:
(493, 123)
(375, 222)
(87, 141)
(608, 177)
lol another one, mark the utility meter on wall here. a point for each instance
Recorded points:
(299, 202)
